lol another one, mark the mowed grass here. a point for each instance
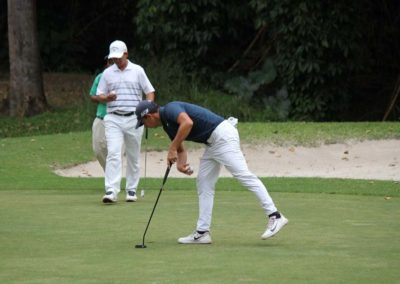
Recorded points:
(68, 236)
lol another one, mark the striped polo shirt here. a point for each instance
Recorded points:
(129, 85)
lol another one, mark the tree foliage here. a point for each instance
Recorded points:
(318, 48)
(316, 45)
(334, 60)
(198, 32)
(75, 35)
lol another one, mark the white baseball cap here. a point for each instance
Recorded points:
(117, 49)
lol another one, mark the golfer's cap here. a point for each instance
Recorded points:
(143, 108)
(117, 49)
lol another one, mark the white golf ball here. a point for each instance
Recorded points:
(189, 170)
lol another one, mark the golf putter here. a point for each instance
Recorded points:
(145, 163)
(142, 245)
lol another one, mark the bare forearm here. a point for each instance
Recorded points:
(182, 156)
(95, 99)
(175, 148)
(102, 98)
(185, 126)
(182, 165)
(183, 132)
(151, 96)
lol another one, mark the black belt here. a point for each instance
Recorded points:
(123, 114)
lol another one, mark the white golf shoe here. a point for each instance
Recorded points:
(196, 238)
(274, 226)
(109, 197)
(131, 196)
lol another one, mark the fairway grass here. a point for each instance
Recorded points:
(68, 236)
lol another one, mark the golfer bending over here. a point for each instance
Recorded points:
(184, 121)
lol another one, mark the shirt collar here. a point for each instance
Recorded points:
(129, 66)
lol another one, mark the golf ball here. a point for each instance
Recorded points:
(189, 170)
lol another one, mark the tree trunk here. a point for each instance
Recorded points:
(26, 94)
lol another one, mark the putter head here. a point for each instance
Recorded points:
(140, 246)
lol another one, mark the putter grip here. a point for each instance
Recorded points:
(166, 174)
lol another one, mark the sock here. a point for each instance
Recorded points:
(276, 214)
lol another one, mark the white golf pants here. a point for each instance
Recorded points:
(120, 130)
(99, 141)
(224, 149)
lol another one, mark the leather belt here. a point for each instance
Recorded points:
(123, 114)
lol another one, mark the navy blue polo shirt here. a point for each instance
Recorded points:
(204, 120)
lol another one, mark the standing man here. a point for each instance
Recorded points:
(99, 143)
(184, 121)
(122, 86)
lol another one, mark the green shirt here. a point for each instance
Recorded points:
(101, 107)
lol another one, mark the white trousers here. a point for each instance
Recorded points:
(120, 130)
(99, 142)
(224, 150)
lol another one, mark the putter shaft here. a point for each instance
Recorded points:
(155, 205)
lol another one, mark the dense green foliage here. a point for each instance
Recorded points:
(76, 35)
(195, 31)
(316, 44)
(246, 88)
(335, 60)
(318, 49)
